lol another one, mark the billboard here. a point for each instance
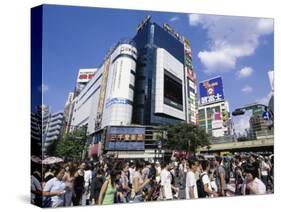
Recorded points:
(85, 75)
(125, 138)
(211, 91)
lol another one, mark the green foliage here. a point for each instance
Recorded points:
(187, 137)
(71, 146)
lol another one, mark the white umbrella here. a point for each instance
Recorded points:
(36, 159)
(52, 160)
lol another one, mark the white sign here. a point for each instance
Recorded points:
(211, 99)
(85, 75)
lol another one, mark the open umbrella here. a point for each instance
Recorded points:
(36, 159)
(52, 160)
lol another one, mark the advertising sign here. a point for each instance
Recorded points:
(190, 74)
(85, 75)
(211, 91)
(125, 138)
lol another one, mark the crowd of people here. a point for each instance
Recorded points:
(124, 181)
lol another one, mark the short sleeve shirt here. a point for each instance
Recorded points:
(166, 180)
(191, 182)
(206, 180)
(55, 185)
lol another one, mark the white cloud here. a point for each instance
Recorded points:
(245, 72)
(247, 89)
(229, 38)
(194, 19)
(264, 100)
(43, 88)
(175, 18)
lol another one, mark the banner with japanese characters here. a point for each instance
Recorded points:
(211, 91)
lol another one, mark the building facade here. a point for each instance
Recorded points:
(46, 127)
(213, 113)
(214, 118)
(165, 93)
(142, 83)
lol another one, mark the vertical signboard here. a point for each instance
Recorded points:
(102, 94)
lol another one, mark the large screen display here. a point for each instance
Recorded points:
(173, 91)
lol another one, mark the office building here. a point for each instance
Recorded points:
(165, 80)
(142, 83)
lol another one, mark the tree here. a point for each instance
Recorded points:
(72, 145)
(187, 137)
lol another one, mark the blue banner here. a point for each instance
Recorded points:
(126, 130)
(125, 146)
(211, 91)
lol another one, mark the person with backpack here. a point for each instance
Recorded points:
(191, 186)
(203, 183)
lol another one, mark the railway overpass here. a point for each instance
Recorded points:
(262, 144)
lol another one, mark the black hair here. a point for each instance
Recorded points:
(113, 175)
(204, 164)
(219, 159)
(139, 165)
(251, 170)
(124, 165)
(165, 163)
(57, 170)
(191, 163)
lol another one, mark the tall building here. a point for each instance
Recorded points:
(213, 111)
(108, 98)
(46, 127)
(142, 83)
(165, 81)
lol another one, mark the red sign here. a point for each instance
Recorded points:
(86, 76)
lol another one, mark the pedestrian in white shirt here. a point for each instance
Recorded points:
(253, 184)
(55, 188)
(191, 186)
(166, 182)
(206, 180)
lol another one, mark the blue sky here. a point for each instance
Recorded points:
(239, 49)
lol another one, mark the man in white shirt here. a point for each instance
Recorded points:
(55, 188)
(191, 186)
(253, 183)
(166, 180)
(206, 180)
